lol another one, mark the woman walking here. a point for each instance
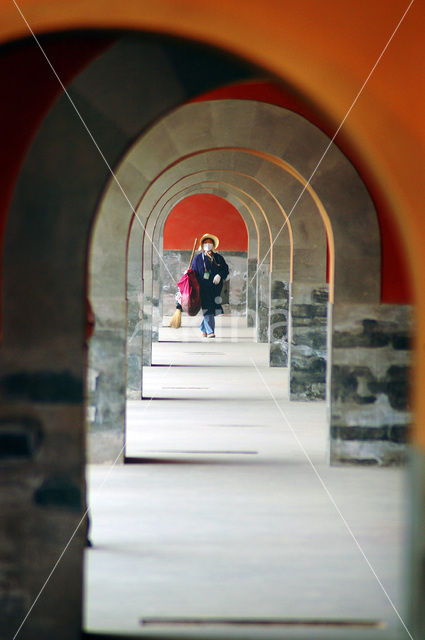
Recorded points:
(211, 271)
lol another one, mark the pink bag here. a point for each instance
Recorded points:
(189, 289)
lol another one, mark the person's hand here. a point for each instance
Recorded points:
(217, 279)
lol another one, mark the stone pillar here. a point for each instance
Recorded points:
(236, 283)
(147, 319)
(251, 292)
(160, 300)
(263, 303)
(415, 586)
(369, 383)
(42, 502)
(134, 345)
(134, 316)
(106, 381)
(171, 270)
(308, 336)
(156, 294)
(149, 273)
(279, 323)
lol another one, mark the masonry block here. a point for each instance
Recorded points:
(251, 292)
(308, 344)
(134, 348)
(263, 303)
(20, 437)
(42, 386)
(106, 393)
(369, 384)
(58, 490)
(156, 294)
(279, 323)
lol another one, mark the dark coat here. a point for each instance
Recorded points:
(210, 292)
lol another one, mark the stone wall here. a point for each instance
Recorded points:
(251, 293)
(263, 303)
(134, 348)
(279, 323)
(157, 303)
(106, 382)
(369, 393)
(308, 337)
(134, 315)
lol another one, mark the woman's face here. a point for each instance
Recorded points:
(207, 241)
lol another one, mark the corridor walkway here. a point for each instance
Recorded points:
(221, 514)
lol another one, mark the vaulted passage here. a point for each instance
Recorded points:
(265, 481)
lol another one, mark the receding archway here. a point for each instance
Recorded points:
(80, 316)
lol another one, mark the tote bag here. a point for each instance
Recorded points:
(189, 289)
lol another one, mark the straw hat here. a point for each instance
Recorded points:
(213, 238)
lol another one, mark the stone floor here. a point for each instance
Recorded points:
(225, 511)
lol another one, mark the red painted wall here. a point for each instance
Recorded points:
(395, 280)
(29, 89)
(205, 213)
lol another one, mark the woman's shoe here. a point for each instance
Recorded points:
(204, 335)
(211, 335)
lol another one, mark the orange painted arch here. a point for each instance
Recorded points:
(323, 49)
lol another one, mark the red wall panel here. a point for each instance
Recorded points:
(205, 213)
(29, 89)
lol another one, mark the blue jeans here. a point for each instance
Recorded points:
(208, 324)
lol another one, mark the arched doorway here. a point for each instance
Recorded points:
(394, 188)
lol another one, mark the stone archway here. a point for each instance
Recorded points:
(140, 327)
(309, 244)
(356, 280)
(384, 170)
